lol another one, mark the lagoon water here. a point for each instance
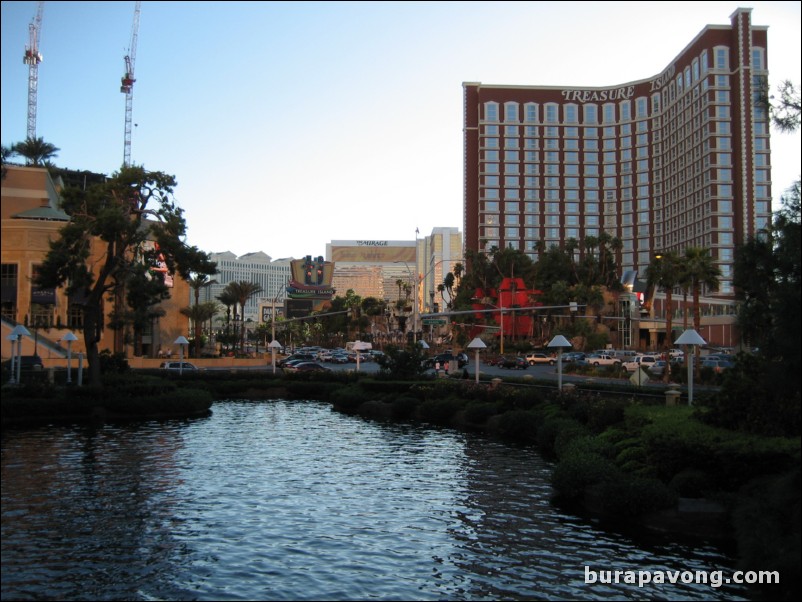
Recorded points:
(292, 501)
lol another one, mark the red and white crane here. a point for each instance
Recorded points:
(127, 85)
(32, 58)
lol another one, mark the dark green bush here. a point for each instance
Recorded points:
(578, 471)
(551, 427)
(477, 414)
(628, 496)
(349, 398)
(518, 426)
(440, 411)
(404, 407)
(691, 483)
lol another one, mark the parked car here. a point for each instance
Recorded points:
(718, 365)
(573, 356)
(658, 368)
(540, 358)
(602, 359)
(640, 361)
(338, 358)
(179, 367)
(307, 357)
(676, 354)
(443, 358)
(308, 367)
(513, 362)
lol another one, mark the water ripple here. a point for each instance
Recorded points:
(291, 501)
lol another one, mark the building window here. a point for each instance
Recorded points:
(551, 113)
(511, 111)
(591, 114)
(531, 113)
(491, 111)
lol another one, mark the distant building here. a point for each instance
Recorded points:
(356, 263)
(679, 159)
(259, 268)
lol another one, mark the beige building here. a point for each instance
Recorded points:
(31, 218)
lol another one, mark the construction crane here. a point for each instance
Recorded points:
(32, 58)
(127, 86)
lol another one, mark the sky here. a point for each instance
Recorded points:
(291, 124)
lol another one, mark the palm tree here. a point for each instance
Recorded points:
(36, 151)
(243, 290)
(664, 271)
(701, 271)
(196, 282)
(227, 298)
(199, 313)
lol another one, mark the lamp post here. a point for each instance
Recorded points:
(13, 340)
(69, 337)
(360, 346)
(559, 342)
(19, 332)
(274, 345)
(477, 345)
(691, 338)
(181, 341)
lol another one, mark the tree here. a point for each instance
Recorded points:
(199, 277)
(664, 272)
(242, 291)
(36, 151)
(785, 112)
(700, 272)
(112, 230)
(200, 313)
(229, 300)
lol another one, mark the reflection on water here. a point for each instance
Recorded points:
(290, 501)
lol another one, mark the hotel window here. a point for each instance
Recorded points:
(491, 206)
(591, 157)
(703, 61)
(532, 220)
(725, 158)
(491, 111)
(530, 182)
(608, 132)
(491, 130)
(723, 143)
(591, 145)
(571, 132)
(722, 112)
(591, 207)
(610, 182)
(510, 111)
(511, 168)
(552, 194)
(531, 130)
(695, 70)
(491, 167)
(591, 170)
(511, 181)
(761, 175)
(490, 232)
(591, 113)
(725, 174)
(552, 157)
(531, 207)
(491, 142)
(725, 206)
(722, 55)
(760, 159)
(592, 195)
(572, 233)
(572, 207)
(491, 155)
(551, 113)
(643, 139)
(530, 194)
(552, 182)
(530, 143)
(609, 157)
(643, 165)
(571, 114)
(725, 190)
(626, 110)
(643, 178)
(512, 219)
(491, 180)
(655, 104)
(762, 191)
(532, 233)
(591, 220)
(552, 169)
(642, 151)
(591, 182)
(725, 222)
(512, 233)
(687, 73)
(552, 144)
(511, 143)
(491, 193)
(571, 144)
(609, 114)
(512, 194)
(572, 157)
(531, 112)
(491, 219)
(679, 84)
(609, 170)
(572, 194)
(510, 155)
(552, 234)
(609, 144)
(531, 169)
(757, 59)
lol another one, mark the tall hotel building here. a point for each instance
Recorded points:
(680, 159)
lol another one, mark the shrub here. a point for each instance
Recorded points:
(479, 413)
(690, 483)
(627, 496)
(349, 398)
(518, 426)
(578, 471)
(440, 411)
(404, 407)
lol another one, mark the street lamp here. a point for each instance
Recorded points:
(69, 337)
(477, 345)
(181, 341)
(691, 338)
(274, 344)
(19, 332)
(360, 346)
(559, 342)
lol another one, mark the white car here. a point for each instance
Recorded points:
(602, 359)
(641, 361)
(540, 358)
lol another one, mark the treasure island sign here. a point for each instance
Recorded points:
(620, 93)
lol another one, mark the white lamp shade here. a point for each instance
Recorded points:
(181, 341)
(69, 337)
(560, 342)
(274, 345)
(20, 330)
(690, 337)
(423, 344)
(477, 343)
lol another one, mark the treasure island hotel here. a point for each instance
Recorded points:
(679, 159)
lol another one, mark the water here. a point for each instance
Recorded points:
(291, 501)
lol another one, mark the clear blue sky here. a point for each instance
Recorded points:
(291, 124)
